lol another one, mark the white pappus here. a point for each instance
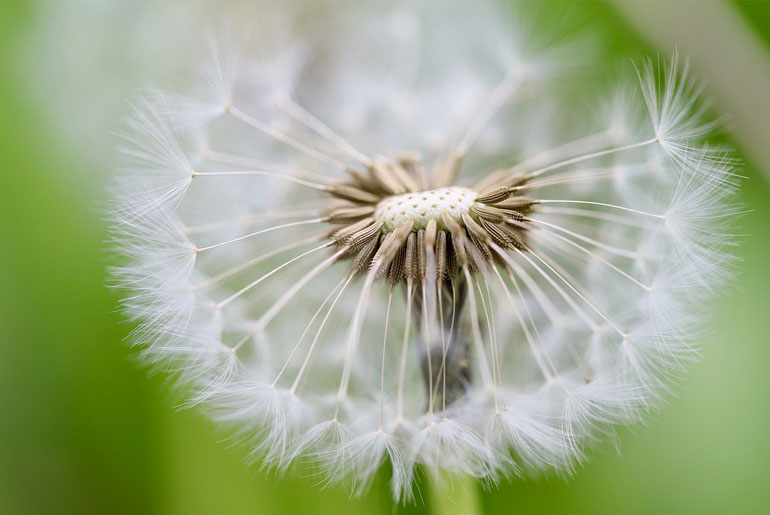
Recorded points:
(401, 234)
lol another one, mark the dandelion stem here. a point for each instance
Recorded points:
(453, 494)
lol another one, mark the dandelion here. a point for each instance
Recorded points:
(402, 239)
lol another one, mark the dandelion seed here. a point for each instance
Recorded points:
(376, 289)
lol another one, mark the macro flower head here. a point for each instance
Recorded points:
(406, 235)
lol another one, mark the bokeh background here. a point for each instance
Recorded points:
(84, 429)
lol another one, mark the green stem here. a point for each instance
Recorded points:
(450, 494)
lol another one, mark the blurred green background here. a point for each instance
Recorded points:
(83, 429)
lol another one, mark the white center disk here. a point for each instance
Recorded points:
(423, 206)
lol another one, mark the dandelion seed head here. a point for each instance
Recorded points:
(389, 243)
(422, 207)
